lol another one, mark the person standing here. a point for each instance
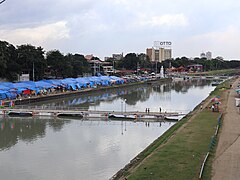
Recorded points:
(213, 108)
(160, 109)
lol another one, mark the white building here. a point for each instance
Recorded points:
(209, 55)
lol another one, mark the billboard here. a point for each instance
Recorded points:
(162, 44)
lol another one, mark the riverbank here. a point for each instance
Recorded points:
(179, 152)
(22, 101)
(226, 162)
(222, 72)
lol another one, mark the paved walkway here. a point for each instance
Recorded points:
(226, 165)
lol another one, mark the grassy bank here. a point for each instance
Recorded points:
(218, 72)
(178, 154)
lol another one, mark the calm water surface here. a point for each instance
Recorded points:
(55, 149)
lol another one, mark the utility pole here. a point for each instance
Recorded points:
(94, 68)
(156, 67)
(33, 72)
(137, 67)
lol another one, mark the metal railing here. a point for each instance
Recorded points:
(211, 146)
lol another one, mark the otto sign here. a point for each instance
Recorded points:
(162, 43)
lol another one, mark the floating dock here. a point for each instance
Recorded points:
(134, 115)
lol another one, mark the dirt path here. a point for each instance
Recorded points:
(226, 165)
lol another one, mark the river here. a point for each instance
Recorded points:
(57, 149)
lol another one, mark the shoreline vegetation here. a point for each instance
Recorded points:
(216, 72)
(180, 151)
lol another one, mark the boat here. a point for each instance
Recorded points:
(76, 115)
(20, 114)
(121, 116)
(216, 83)
(173, 118)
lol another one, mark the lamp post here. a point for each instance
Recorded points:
(156, 67)
(113, 67)
(29, 101)
(125, 104)
(122, 107)
(122, 127)
(20, 100)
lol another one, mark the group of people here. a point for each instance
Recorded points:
(2, 104)
(147, 110)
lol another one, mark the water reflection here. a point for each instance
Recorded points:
(134, 95)
(24, 129)
(77, 150)
(90, 149)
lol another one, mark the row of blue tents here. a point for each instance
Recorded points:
(9, 90)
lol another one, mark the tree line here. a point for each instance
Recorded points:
(134, 61)
(25, 58)
(21, 59)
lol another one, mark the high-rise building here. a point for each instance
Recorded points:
(167, 53)
(159, 54)
(209, 55)
(202, 55)
(117, 56)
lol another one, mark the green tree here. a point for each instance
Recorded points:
(79, 64)
(31, 58)
(55, 61)
(144, 61)
(5, 56)
(130, 61)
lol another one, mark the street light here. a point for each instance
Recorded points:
(122, 107)
(125, 104)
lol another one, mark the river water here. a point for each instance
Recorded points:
(57, 149)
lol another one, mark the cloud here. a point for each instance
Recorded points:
(122, 25)
(229, 35)
(169, 20)
(221, 43)
(36, 35)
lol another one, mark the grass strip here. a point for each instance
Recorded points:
(182, 155)
(216, 72)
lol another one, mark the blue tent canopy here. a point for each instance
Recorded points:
(10, 90)
(3, 94)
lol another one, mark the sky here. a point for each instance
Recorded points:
(105, 27)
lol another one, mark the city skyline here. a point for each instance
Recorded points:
(106, 27)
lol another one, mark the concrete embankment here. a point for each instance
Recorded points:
(21, 101)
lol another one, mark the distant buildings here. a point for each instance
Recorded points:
(207, 55)
(202, 55)
(115, 57)
(195, 68)
(160, 51)
(159, 54)
(89, 57)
